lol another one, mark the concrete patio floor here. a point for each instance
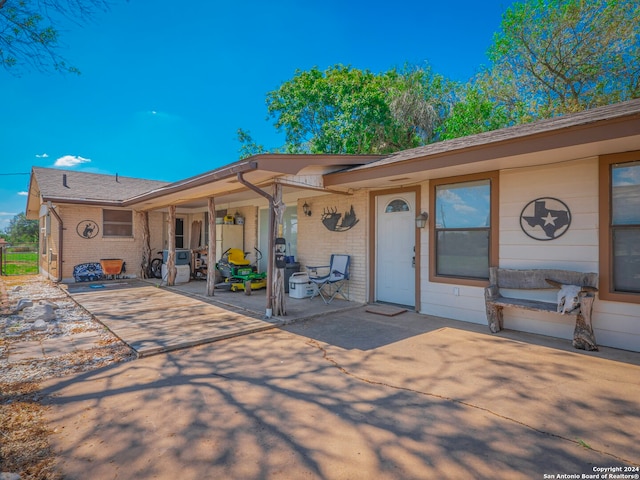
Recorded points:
(353, 395)
(153, 319)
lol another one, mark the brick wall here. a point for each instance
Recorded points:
(78, 249)
(316, 243)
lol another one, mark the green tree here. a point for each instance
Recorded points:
(352, 111)
(21, 230)
(553, 57)
(248, 147)
(29, 37)
(473, 112)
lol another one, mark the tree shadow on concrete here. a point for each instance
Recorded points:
(282, 405)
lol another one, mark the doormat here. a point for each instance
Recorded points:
(385, 310)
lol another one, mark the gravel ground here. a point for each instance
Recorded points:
(71, 319)
(24, 447)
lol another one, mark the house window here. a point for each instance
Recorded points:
(397, 205)
(179, 236)
(620, 227)
(117, 223)
(464, 240)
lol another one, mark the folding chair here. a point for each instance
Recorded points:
(335, 282)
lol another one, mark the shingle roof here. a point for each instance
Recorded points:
(608, 112)
(56, 184)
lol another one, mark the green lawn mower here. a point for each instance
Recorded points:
(238, 272)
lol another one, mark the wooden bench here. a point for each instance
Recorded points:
(502, 278)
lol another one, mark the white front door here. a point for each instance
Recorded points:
(395, 248)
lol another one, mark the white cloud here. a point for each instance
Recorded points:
(23, 194)
(462, 208)
(70, 161)
(44, 155)
(7, 214)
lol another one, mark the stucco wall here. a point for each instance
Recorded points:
(576, 184)
(316, 243)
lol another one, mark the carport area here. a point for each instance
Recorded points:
(153, 319)
(353, 395)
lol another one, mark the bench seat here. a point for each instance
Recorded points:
(526, 304)
(536, 279)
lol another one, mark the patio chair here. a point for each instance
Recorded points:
(335, 282)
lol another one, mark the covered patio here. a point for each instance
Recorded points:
(153, 319)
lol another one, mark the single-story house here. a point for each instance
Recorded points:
(422, 226)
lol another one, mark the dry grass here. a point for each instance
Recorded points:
(24, 445)
(24, 448)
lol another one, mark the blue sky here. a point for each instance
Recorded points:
(165, 85)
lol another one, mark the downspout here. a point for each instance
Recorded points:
(264, 194)
(60, 237)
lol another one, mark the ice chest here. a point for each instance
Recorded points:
(183, 256)
(183, 273)
(300, 286)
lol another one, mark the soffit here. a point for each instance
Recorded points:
(261, 170)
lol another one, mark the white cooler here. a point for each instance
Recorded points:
(183, 273)
(300, 286)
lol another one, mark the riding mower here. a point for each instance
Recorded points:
(238, 272)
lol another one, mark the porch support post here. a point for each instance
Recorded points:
(277, 280)
(583, 336)
(171, 246)
(211, 248)
(143, 218)
(270, 253)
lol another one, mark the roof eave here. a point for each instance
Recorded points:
(588, 132)
(193, 182)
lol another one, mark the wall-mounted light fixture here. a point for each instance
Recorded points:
(306, 209)
(421, 220)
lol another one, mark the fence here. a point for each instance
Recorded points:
(19, 259)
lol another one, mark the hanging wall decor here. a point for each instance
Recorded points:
(87, 229)
(545, 218)
(337, 222)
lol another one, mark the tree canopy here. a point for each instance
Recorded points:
(248, 146)
(553, 57)
(348, 110)
(473, 112)
(21, 230)
(549, 58)
(28, 34)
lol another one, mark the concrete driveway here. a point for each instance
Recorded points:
(354, 395)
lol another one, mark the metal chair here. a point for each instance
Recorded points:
(335, 282)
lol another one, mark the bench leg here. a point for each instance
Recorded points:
(583, 336)
(494, 317)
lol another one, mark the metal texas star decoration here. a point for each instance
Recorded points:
(545, 218)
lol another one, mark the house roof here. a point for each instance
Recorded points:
(600, 130)
(68, 186)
